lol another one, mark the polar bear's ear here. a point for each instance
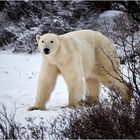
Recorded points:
(38, 37)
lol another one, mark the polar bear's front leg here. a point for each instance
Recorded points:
(76, 91)
(75, 85)
(46, 83)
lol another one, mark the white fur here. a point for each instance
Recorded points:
(78, 54)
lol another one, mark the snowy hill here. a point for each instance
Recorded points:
(18, 79)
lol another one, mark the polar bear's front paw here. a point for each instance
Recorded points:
(36, 108)
(70, 106)
(73, 106)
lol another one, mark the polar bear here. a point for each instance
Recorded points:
(75, 55)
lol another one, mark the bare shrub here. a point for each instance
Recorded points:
(11, 129)
(106, 120)
(125, 34)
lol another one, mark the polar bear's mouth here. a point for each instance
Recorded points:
(46, 51)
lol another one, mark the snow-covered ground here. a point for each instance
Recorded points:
(18, 80)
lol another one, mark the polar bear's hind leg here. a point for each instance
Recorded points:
(93, 90)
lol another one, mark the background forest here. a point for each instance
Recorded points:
(20, 21)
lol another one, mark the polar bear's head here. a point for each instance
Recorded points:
(48, 43)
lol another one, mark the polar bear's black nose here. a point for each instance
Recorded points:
(46, 51)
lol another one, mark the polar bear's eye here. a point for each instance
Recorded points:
(42, 41)
(51, 41)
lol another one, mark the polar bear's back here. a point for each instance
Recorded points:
(83, 34)
(98, 50)
(90, 36)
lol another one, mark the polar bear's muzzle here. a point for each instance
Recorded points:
(46, 51)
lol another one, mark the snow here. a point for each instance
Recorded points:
(106, 18)
(110, 14)
(18, 80)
